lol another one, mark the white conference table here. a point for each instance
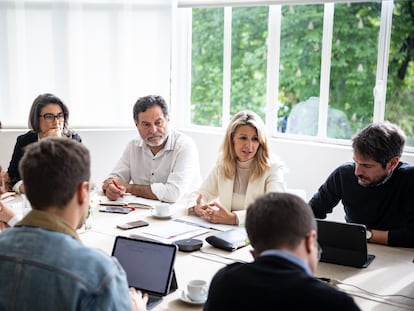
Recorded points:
(391, 272)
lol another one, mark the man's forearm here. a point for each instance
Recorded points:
(141, 191)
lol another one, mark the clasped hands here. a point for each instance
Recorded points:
(52, 132)
(214, 212)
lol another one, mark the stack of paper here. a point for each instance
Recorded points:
(169, 232)
(198, 221)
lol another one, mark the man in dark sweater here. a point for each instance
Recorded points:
(376, 190)
(283, 233)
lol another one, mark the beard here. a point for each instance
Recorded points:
(365, 182)
(162, 137)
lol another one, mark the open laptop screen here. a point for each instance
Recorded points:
(148, 264)
(343, 243)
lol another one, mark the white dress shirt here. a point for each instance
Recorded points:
(172, 172)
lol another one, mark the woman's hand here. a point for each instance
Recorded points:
(215, 213)
(52, 132)
(200, 207)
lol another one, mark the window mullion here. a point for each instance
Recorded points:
(380, 88)
(273, 63)
(328, 19)
(226, 66)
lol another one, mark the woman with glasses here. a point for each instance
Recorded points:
(48, 117)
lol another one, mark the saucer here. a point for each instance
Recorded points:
(184, 297)
(159, 216)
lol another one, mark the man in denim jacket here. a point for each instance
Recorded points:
(43, 264)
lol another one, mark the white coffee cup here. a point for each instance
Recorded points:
(162, 209)
(197, 290)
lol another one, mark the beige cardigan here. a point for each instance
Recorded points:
(216, 186)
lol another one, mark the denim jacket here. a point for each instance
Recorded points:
(44, 266)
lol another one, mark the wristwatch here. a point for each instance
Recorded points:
(369, 234)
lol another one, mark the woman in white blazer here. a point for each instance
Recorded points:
(244, 170)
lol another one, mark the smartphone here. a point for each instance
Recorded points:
(132, 224)
(116, 209)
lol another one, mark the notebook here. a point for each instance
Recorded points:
(343, 243)
(129, 199)
(149, 266)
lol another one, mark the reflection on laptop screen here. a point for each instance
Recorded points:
(148, 265)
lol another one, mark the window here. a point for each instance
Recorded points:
(207, 69)
(98, 56)
(311, 70)
(399, 106)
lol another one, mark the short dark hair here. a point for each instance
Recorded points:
(52, 169)
(143, 103)
(37, 105)
(380, 141)
(276, 219)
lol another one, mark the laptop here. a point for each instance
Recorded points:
(343, 243)
(149, 266)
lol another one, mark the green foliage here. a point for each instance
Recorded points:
(249, 57)
(300, 55)
(400, 85)
(353, 62)
(207, 68)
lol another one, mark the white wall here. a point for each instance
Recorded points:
(308, 163)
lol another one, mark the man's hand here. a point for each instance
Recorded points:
(139, 301)
(114, 188)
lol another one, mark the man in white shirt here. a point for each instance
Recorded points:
(162, 164)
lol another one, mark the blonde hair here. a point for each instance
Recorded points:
(228, 156)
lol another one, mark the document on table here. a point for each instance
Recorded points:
(7, 196)
(129, 199)
(197, 221)
(169, 232)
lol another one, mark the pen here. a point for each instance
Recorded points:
(129, 206)
(116, 184)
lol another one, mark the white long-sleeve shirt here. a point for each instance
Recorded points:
(172, 172)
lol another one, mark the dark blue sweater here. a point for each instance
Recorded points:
(388, 206)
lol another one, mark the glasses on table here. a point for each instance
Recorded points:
(50, 117)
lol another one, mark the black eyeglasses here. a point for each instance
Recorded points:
(51, 117)
(319, 251)
(318, 247)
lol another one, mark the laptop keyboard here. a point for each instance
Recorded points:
(153, 301)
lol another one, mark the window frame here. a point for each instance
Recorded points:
(183, 75)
